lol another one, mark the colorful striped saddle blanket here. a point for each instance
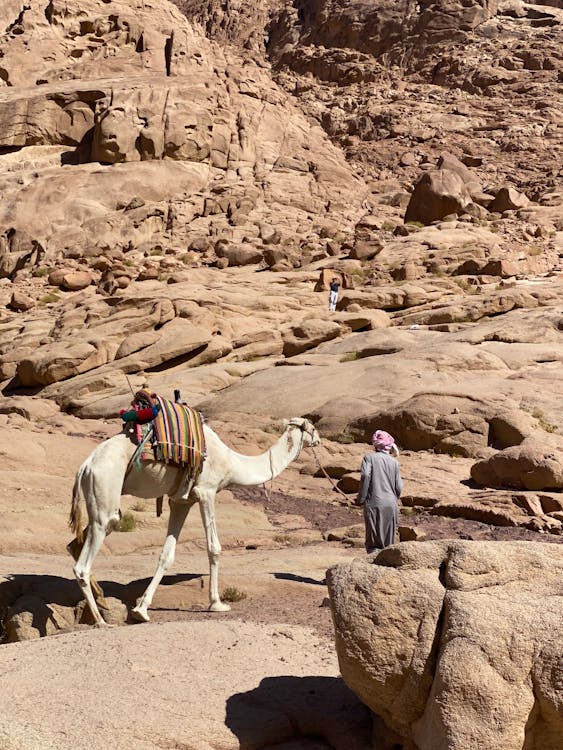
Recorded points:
(177, 432)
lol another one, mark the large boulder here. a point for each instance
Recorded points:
(509, 199)
(240, 255)
(61, 360)
(31, 617)
(453, 164)
(455, 645)
(437, 194)
(18, 250)
(532, 465)
(307, 335)
(447, 423)
(326, 276)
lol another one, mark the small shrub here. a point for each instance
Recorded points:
(344, 438)
(360, 275)
(127, 522)
(466, 286)
(355, 532)
(40, 272)
(534, 250)
(293, 540)
(417, 224)
(543, 423)
(282, 538)
(232, 594)
(349, 357)
(388, 226)
(47, 299)
(409, 511)
(139, 506)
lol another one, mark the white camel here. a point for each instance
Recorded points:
(107, 474)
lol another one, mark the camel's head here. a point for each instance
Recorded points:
(310, 436)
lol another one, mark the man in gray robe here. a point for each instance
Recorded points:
(380, 488)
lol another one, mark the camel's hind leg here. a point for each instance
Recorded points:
(74, 548)
(98, 485)
(95, 535)
(178, 514)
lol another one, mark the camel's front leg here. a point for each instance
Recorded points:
(207, 508)
(178, 514)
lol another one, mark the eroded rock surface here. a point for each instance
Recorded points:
(442, 639)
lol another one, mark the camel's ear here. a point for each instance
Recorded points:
(285, 424)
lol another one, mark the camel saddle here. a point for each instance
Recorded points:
(173, 435)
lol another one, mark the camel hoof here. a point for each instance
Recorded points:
(140, 615)
(104, 624)
(219, 607)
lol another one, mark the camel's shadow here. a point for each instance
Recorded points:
(301, 712)
(65, 592)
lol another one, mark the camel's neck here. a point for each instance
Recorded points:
(252, 470)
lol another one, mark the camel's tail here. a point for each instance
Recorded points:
(75, 518)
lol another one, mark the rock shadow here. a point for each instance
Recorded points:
(309, 713)
(299, 579)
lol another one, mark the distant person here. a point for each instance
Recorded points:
(333, 294)
(380, 488)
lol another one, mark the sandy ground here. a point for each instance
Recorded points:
(178, 685)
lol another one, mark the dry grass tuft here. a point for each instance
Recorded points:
(232, 594)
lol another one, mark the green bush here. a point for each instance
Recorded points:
(127, 522)
(47, 299)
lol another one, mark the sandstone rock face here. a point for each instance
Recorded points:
(224, 145)
(363, 31)
(455, 645)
